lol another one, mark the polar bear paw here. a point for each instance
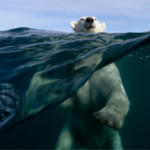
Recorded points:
(109, 117)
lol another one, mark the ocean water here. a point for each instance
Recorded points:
(31, 58)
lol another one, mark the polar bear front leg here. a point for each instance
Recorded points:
(114, 112)
(109, 83)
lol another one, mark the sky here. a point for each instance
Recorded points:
(119, 15)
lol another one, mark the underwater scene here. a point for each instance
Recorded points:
(40, 69)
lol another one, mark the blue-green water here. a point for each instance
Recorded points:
(32, 58)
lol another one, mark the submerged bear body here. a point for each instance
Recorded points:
(97, 111)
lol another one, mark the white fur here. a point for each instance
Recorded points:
(99, 103)
(80, 25)
(98, 108)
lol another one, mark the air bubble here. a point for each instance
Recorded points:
(147, 57)
(141, 58)
(130, 55)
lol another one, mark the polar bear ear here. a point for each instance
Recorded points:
(102, 27)
(73, 25)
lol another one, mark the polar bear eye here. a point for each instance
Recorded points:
(82, 19)
(95, 19)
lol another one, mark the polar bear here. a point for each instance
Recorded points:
(88, 24)
(98, 109)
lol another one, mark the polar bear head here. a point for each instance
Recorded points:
(88, 24)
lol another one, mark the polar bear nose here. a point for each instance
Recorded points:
(89, 20)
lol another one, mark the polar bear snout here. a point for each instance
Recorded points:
(89, 20)
(89, 23)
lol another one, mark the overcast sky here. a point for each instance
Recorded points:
(119, 15)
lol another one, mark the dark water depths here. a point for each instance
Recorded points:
(35, 63)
